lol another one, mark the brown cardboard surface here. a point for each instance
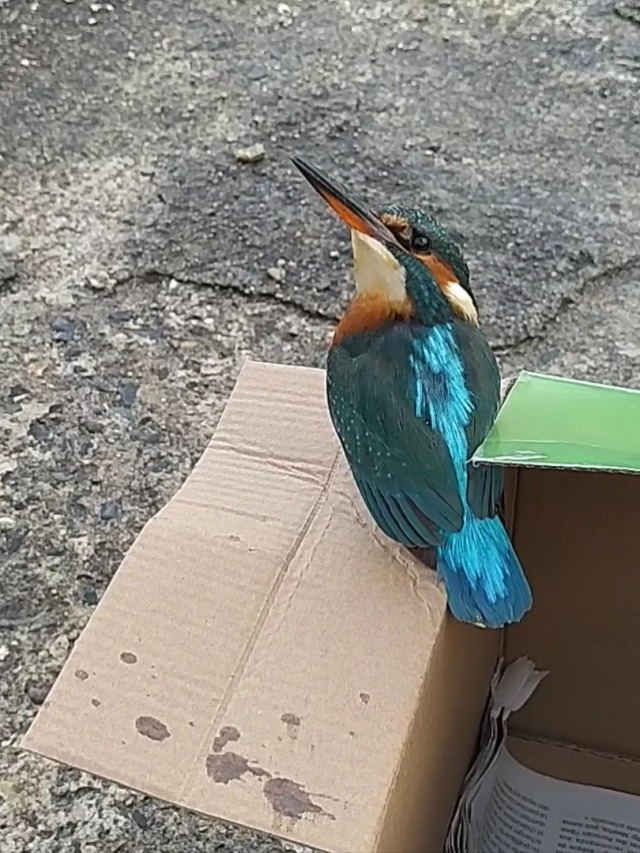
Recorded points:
(581, 766)
(442, 739)
(577, 536)
(263, 655)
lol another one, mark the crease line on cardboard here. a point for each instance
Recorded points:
(574, 747)
(415, 570)
(257, 629)
(412, 566)
(254, 516)
(279, 463)
(309, 559)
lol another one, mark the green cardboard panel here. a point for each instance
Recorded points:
(551, 422)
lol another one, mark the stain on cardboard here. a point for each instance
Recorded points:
(229, 766)
(292, 722)
(128, 657)
(227, 734)
(365, 698)
(289, 799)
(81, 674)
(96, 703)
(152, 728)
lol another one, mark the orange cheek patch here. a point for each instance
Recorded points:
(441, 272)
(454, 293)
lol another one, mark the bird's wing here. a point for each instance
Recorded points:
(485, 483)
(401, 463)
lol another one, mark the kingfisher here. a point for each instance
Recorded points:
(413, 388)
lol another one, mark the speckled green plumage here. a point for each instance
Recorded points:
(371, 399)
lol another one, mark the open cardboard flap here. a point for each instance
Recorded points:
(265, 656)
(574, 453)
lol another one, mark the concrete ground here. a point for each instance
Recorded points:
(141, 259)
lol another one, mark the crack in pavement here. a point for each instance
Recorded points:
(566, 303)
(628, 12)
(155, 275)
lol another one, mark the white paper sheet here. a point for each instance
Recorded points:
(508, 808)
(526, 812)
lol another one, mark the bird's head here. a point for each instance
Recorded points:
(401, 255)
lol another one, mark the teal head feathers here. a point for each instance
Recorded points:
(406, 263)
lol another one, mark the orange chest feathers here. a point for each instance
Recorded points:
(368, 312)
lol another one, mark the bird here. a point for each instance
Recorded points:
(413, 388)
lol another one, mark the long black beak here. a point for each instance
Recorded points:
(355, 213)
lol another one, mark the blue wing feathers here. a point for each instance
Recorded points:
(405, 522)
(380, 513)
(484, 579)
(484, 490)
(410, 405)
(398, 518)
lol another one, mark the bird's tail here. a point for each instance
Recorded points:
(482, 574)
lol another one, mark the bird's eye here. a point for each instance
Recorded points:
(420, 243)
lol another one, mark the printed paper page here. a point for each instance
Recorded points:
(526, 812)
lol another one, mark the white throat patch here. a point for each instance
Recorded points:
(377, 272)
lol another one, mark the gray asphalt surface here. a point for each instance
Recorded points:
(141, 261)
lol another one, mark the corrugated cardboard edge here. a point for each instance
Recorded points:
(417, 796)
(442, 740)
(36, 739)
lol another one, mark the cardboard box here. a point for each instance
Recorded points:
(265, 656)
